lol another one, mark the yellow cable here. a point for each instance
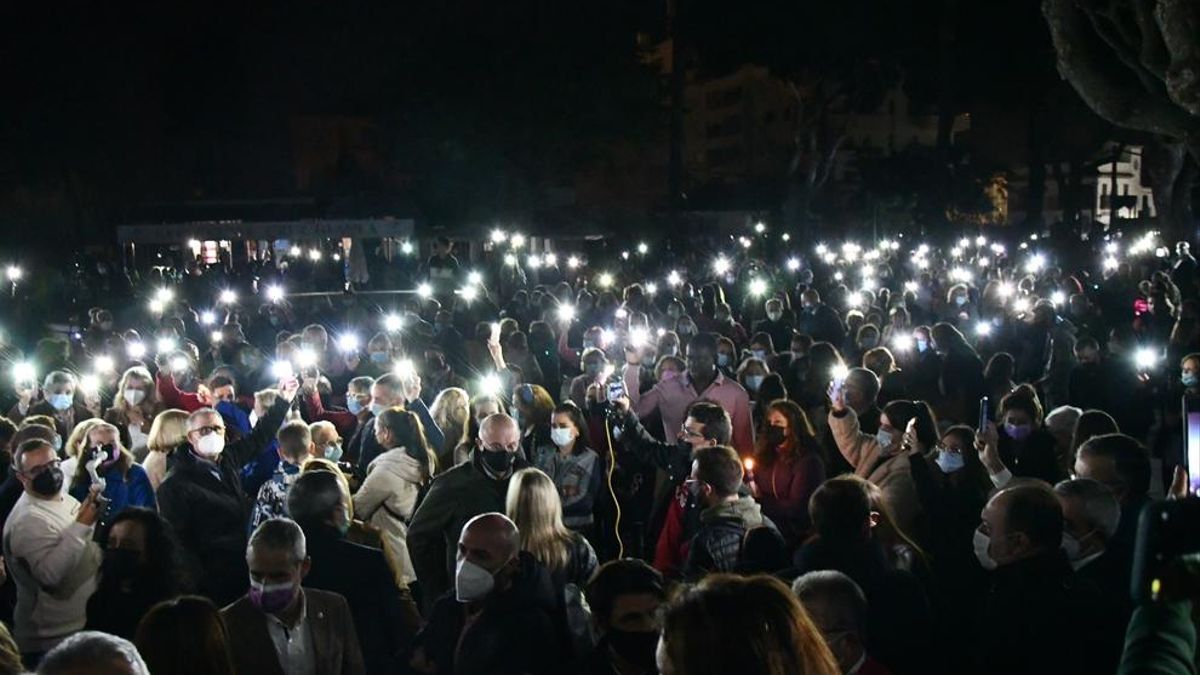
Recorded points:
(612, 465)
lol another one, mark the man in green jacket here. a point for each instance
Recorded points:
(477, 486)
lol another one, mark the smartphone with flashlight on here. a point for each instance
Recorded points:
(839, 374)
(985, 413)
(1191, 443)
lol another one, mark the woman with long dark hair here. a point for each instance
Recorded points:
(787, 469)
(142, 567)
(388, 496)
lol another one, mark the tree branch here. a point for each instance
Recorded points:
(1112, 94)
(1153, 54)
(1104, 27)
(1179, 22)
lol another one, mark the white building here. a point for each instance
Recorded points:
(1135, 199)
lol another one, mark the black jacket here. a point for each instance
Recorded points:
(899, 621)
(210, 514)
(1035, 458)
(717, 546)
(454, 497)
(1037, 620)
(385, 620)
(518, 632)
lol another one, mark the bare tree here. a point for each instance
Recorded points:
(1137, 64)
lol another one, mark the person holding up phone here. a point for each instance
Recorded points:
(50, 553)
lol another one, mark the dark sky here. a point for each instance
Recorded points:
(110, 106)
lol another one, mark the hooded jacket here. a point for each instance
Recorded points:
(387, 500)
(717, 545)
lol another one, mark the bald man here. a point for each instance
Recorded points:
(507, 600)
(476, 486)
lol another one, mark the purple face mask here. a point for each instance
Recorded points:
(271, 598)
(1018, 432)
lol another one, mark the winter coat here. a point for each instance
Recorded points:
(387, 500)
(717, 545)
(892, 475)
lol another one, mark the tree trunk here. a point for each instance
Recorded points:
(1163, 162)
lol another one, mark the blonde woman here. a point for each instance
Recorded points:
(167, 432)
(133, 410)
(71, 448)
(534, 505)
(451, 410)
(125, 482)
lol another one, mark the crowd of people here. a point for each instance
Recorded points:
(864, 459)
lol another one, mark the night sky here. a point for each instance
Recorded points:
(462, 111)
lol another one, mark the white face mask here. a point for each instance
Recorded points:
(1070, 546)
(134, 396)
(562, 436)
(982, 542)
(472, 582)
(253, 417)
(210, 446)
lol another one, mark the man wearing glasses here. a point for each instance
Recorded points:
(50, 553)
(202, 497)
(705, 424)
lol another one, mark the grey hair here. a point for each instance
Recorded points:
(838, 594)
(361, 384)
(280, 534)
(867, 379)
(1063, 418)
(57, 377)
(89, 651)
(1100, 506)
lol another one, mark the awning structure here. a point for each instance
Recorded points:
(322, 228)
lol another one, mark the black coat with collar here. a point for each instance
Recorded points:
(454, 497)
(1038, 619)
(334, 642)
(385, 620)
(210, 514)
(520, 631)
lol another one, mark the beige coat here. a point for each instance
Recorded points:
(386, 500)
(893, 475)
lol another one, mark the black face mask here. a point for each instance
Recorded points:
(49, 482)
(121, 563)
(774, 435)
(636, 647)
(499, 461)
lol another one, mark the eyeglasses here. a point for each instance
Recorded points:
(689, 433)
(214, 429)
(39, 469)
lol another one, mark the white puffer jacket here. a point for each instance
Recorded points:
(387, 499)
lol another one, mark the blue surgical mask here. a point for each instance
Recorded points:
(379, 357)
(589, 344)
(353, 405)
(333, 453)
(754, 382)
(377, 409)
(760, 354)
(1190, 380)
(960, 300)
(949, 462)
(922, 345)
(723, 359)
(884, 438)
(60, 402)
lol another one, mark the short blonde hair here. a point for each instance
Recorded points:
(168, 431)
